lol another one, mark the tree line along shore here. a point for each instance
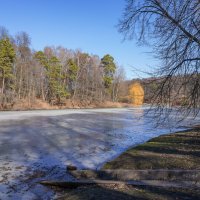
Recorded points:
(55, 76)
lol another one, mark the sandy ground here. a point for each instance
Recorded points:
(37, 145)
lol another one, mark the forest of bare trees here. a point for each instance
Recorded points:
(54, 75)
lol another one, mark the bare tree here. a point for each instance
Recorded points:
(23, 64)
(3, 32)
(119, 78)
(172, 27)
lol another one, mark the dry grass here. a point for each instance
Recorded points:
(35, 104)
(174, 151)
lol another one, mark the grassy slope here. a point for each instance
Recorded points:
(174, 151)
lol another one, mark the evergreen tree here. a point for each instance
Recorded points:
(109, 69)
(56, 90)
(7, 58)
(72, 73)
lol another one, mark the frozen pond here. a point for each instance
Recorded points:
(37, 145)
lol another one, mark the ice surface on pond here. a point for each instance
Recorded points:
(37, 145)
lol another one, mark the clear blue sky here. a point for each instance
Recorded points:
(89, 25)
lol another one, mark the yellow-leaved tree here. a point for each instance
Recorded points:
(136, 94)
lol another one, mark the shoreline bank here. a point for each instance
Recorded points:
(179, 150)
(42, 105)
